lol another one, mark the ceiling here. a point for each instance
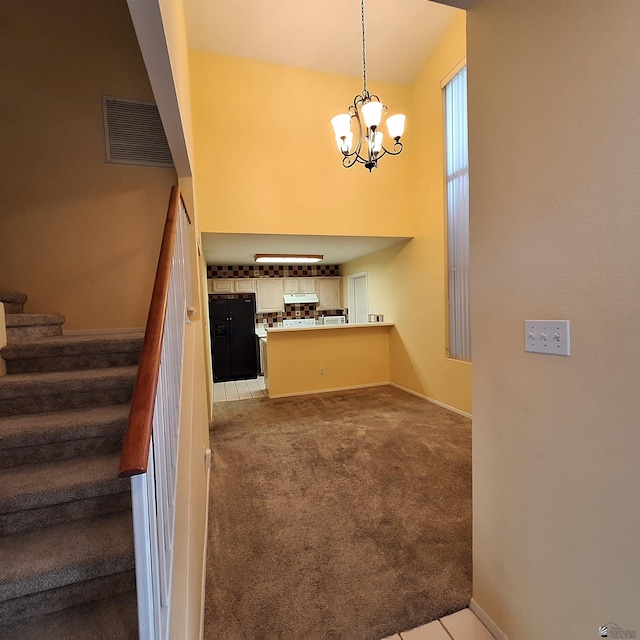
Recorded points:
(324, 35)
(240, 248)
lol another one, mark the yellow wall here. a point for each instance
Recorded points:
(260, 168)
(78, 235)
(350, 357)
(266, 161)
(406, 282)
(554, 121)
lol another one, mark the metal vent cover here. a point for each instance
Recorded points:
(134, 133)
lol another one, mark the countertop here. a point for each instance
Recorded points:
(330, 327)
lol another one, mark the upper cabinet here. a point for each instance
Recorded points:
(307, 285)
(237, 285)
(220, 286)
(299, 285)
(329, 292)
(270, 291)
(270, 295)
(245, 285)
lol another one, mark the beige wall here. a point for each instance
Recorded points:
(406, 282)
(554, 124)
(78, 235)
(349, 357)
(265, 157)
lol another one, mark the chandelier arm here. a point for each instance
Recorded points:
(396, 151)
(356, 115)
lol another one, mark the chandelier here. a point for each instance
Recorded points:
(367, 111)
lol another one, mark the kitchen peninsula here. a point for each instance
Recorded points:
(318, 358)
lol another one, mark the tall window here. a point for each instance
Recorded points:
(455, 93)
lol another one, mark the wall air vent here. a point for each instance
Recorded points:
(134, 133)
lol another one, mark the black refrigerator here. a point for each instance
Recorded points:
(233, 337)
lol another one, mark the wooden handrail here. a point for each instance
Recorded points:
(135, 450)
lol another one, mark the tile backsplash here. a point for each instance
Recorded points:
(272, 271)
(295, 311)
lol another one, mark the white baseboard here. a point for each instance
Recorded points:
(308, 393)
(483, 616)
(89, 332)
(440, 404)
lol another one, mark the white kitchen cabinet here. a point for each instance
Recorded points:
(219, 285)
(291, 285)
(228, 285)
(245, 285)
(270, 295)
(307, 285)
(329, 292)
(299, 285)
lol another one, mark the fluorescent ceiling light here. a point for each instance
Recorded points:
(288, 258)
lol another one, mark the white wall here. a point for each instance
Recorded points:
(554, 116)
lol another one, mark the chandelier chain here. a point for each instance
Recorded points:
(364, 52)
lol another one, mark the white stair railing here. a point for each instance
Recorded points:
(153, 485)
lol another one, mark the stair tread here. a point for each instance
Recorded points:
(33, 319)
(65, 554)
(75, 344)
(49, 483)
(58, 426)
(112, 618)
(16, 297)
(43, 383)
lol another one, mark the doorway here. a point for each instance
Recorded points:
(358, 298)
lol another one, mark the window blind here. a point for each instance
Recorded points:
(457, 167)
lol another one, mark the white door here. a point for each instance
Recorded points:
(358, 301)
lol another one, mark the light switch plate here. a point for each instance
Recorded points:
(547, 336)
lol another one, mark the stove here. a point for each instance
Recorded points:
(299, 322)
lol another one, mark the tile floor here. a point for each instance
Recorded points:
(462, 625)
(239, 390)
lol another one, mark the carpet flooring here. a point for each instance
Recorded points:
(337, 515)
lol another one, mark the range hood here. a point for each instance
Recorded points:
(300, 298)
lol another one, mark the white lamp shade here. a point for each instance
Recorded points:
(377, 142)
(372, 113)
(344, 144)
(395, 125)
(341, 125)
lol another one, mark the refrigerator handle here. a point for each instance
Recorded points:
(230, 327)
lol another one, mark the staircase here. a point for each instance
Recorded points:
(66, 540)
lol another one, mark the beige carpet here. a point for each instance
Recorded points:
(338, 515)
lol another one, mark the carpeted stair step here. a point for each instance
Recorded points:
(30, 326)
(13, 301)
(50, 569)
(113, 618)
(38, 495)
(62, 390)
(68, 352)
(56, 435)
